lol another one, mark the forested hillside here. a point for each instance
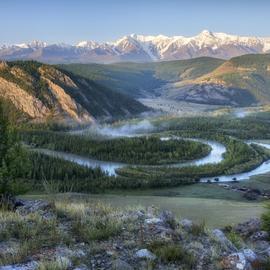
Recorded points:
(43, 92)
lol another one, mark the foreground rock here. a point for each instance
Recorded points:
(82, 236)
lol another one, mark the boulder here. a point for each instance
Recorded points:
(235, 261)
(225, 243)
(186, 224)
(168, 219)
(145, 254)
(260, 235)
(248, 228)
(250, 255)
(44, 208)
(9, 202)
(153, 221)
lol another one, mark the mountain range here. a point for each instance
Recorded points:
(139, 48)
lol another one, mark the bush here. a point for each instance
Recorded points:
(266, 219)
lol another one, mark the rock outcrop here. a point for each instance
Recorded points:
(145, 239)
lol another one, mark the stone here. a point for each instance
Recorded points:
(28, 266)
(45, 209)
(168, 219)
(248, 228)
(224, 241)
(145, 254)
(236, 261)
(260, 235)
(186, 224)
(153, 221)
(250, 255)
(9, 202)
(121, 265)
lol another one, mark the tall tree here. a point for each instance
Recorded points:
(13, 159)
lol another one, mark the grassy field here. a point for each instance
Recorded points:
(200, 202)
(204, 191)
(261, 182)
(214, 212)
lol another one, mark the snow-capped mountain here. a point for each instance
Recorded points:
(139, 48)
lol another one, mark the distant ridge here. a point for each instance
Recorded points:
(139, 48)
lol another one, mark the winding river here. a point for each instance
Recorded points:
(215, 156)
(262, 169)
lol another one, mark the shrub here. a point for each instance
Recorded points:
(266, 218)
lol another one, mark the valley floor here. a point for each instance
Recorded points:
(180, 108)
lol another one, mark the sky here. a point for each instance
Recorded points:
(71, 21)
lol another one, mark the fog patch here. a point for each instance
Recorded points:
(241, 113)
(127, 130)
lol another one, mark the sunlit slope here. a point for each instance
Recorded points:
(42, 91)
(249, 72)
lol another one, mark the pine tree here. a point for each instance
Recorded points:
(13, 159)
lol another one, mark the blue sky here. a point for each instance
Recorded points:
(71, 21)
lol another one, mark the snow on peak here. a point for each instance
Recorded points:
(35, 44)
(87, 44)
(160, 47)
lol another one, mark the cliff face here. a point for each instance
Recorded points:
(43, 91)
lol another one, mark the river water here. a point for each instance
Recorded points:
(214, 157)
(262, 169)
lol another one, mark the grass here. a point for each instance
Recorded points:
(98, 228)
(198, 229)
(53, 265)
(96, 223)
(170, 252)
(32, 232)
(215, 212)
(235, 239)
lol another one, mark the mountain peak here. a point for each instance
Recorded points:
(87, 44)
(207, 33)
(35, 44)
